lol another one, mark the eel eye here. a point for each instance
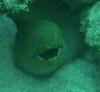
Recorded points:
(49, 54)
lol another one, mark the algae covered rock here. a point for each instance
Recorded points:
(7, 6)
(90, 21)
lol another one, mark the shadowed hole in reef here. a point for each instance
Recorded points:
(49, 54)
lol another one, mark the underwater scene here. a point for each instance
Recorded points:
(49, 45)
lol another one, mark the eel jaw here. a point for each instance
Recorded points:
(49, 54)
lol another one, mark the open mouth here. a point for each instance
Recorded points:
(49, 54)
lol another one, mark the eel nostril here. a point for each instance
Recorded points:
(49, 54)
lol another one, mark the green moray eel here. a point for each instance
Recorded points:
(41, 48)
